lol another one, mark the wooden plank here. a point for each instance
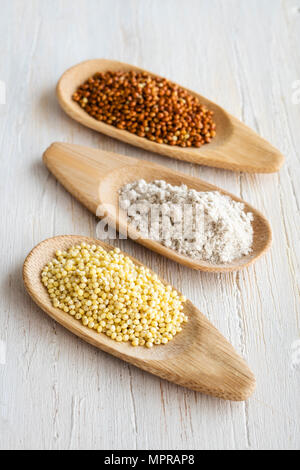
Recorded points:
(57, 392)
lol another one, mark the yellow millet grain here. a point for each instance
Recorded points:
(108, 293)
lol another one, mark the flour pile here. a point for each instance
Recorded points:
(199, 225)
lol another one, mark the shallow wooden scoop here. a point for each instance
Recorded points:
(95, 177)
(199, 357)
(236, 146)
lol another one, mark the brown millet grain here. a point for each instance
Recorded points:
(147, 106)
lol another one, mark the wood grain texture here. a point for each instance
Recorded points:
(200, 358)
(236, 147)
(95, 178)
(56, 391)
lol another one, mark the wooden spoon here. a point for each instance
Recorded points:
(95, 176)
(236, 146)
(199, 357)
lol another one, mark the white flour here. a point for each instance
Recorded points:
(200, 225)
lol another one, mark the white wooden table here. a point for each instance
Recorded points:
(57, 392)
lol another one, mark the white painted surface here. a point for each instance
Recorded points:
(57, 392)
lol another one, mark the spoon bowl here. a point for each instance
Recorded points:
(95, 177)
(199, 358)
(235, 147)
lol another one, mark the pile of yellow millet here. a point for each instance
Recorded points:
(108, 293)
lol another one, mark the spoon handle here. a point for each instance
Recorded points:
(80, 170)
